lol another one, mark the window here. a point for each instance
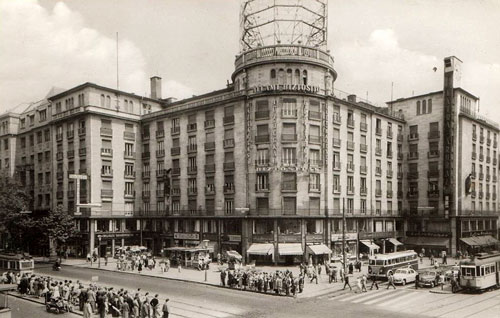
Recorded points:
(129, 188)
(263, 207)
(43, 115)
(262, 182)
(289, 156)
(262, 157)
(289, 132)
(418, 107)
(289, 108)
(289, 206)
(314, 182)
(289, 181)
(228, 206)
(263, 130)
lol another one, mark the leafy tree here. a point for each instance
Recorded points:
(58, 227)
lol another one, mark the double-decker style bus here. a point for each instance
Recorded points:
(480, 273)
(381, 265)
(18, 263)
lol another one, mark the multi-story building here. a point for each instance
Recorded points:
(452, 168)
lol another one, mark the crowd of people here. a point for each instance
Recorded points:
(90, 299)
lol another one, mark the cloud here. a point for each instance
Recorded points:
(373, 64)
(41, 48)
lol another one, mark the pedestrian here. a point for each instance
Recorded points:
(146, 309)
(441, 280)
(223, 277)
(363, 283)
(106, 259)
(346, 281)
(374, 282)
(341, 273)
(88, 258)
(301, 283)
(125, 309)
(87, 310)
(167, 264)
(444, 258)
(421, 258)
(390, 281)
(351, 268)
(314, 276)
(179, 264)
(166, 308)
(155, 302)
(432, 259)
(358, 285)
(417, 278)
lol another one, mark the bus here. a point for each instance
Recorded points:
(480, 273)
(18, 263)
(381, 265)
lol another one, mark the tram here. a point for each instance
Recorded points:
(480, 273)
(18, 263)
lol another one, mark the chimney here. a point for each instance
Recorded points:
(156, 87)
(351, 98)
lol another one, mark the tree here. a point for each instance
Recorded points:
(58, 227)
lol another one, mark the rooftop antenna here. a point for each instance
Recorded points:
(117, 65)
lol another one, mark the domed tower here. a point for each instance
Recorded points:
(287, 74)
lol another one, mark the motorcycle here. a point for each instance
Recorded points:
(58, 306)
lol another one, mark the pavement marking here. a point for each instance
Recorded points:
(373, 301)
(403, 303)
(200, 310)
(396, 299)
(362, 298)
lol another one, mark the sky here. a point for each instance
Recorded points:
(192, 44)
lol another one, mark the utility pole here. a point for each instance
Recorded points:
(343, 234)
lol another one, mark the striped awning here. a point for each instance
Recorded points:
(261, 249)
(479, 240)
(394, 241)
(285, 249)
(319, 249)
(370, 245)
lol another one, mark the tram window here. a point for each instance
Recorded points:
(487, 270)
(482, 270)
(379, 262)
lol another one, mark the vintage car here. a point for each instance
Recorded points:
(404, 276)
(428, 278)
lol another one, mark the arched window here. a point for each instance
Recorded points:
(102, 100)
(424, 107)
(296, 79)
(281, 76)
(273, 76)
(304, 77)
(429, 106)
(289, 76)
(108, 101)
(125, 105)
(418, 107)
(131, 107)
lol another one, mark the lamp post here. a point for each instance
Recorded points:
(99, 253)
(343, 235)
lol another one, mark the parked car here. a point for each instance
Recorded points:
(429, 278)
(404, 276)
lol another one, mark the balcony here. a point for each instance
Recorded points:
(474, 155)
(228, 166)
(59, 194)
(228, 188)
(70, 134)
(378, 192)
(400, 175)
(71, 194)
(260, 187)
(129, 174)
(389, 194)
(413, 136)
(337, 165)
(363, 169)
(288, 137)
(288, 113)
(350, 190)
(433, 174)
(210, 146)
(474, 136)
(314, 187)
(378, 171)
(289, 186)
(160, 134)
(433, 154)
(487, 195)
(107, 173)
(107, 152)
(350, 145)
(129, 195)
(228, 120)
(176, 171)
(495, 144)
(70, 154)
(350, 167)
(262, 162)
(59, 175)
(82, 171)
(228, 143)
(264, 114)
(315, 163)
(488, 142)
(175, 151)
(129, 154)
(400, 138)
(314, 115)
(161, 173)
(350, 123)
(145, 136)
(389, 174)
(494, 196)
(363, 191)
(59, 155)
(81, 131)
(176, 191)
(192, 148)
(378, 151)
(210, 189)
(488, 177)
(337, 119)
(433, 193)
(412, 194)
(481, 139)
(192, 191)
(389, 134)
(488, 159)
(473, 194)
(389, 154)
(336, 142)
(129, 135)
(481, 176)
(261, 139)
(433, 134)
(209, 123)
(209, 168)
(160, 153)
(59, 136)
(175, 130)
(494, 161)
(146, 174)
(412, 155)
(288, 162)
(378, 131)
(363, 126)
(106, 193)
(191, 127)
(160, 193)
(106, 132)
(481, 194)
(400, 155)
(314, 139)
(400, 194)
(337, 189)
(146, 155)
(494, 178)
(146, 193)
(363, 148)
(412, 175)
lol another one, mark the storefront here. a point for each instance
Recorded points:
(261, 253)
(318, 253)
(368, 248)
(476, 244)
(351, 245)
(431, 244)
(290, 253)
(187, 239)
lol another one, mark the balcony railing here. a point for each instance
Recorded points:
(209, 123)
(378, 131)
(433, 174)
(473, 155)
(289, 137)
(228, 120)
(337, 189)
(413, 136)
(70, 134)
(146, 155)
(433, 193)
(433, 154)
(412, 194)
(474, 136)
(314, 115)
(107, 173)
(261, 187)
(81, 131)
(108, 152)
(350, 167)
(129, 154)
(192, 148)
(378, 192)
(209, 168)
(481, 176)
(70, 154)
(350, 145)
(106, 193)
(160, 134)
(210, 146)
(494, 161)
(192, 191)
(378, 151)
(146, 174)
(161, 173)
(228, 166)
(106, 132)
(129, 174)
(363, 148)
(288, 186)
(488, 142)
(228, 188)
(176, 171)
(337, 165)
(288, 113)
(412, 175)
(160, 153)
(363, 126)
(191, 127)
(481, 139)
(129, 135)
(262, 139)
(176, 191)
(146, 193)
(350, 190)
(336, 142)
(175, 130)
(350, 123)
(314, 139)
(262, 162)
(264, 114)
(363, 169)
(160, 193)
(175, 151)
(389, 194)
(400, 175)
(59, 136)
(389, 173)
(389, 134)
(315, 162)
(412, 155)
(433, 134)
(389, 154)
(488, 159)
(400, 137)
(337, 119)
(210, 189)
(228, 143)
(363, 190)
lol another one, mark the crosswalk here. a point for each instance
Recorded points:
(424, 303)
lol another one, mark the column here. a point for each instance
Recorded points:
(276, 242)
(244, 239)
(303, 231)
(113, 248)
(92, 225)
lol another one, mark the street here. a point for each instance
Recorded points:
(196, 300)
(24, 308)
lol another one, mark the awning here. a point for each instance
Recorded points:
(370, 245)
(208, 244)
(479, 240)
(428, 241)
(394, 241)
(290, 249)
(261, 249)
(319, 249)
(234, 254)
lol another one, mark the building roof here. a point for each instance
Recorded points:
(429, 94)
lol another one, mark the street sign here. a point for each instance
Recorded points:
(78, 176)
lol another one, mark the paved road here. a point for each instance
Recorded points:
(195, 300)
(23, 309)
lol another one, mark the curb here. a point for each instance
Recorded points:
(38, 302)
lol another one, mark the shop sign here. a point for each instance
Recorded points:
(376, 235)
(478, 233)
(289, 238)
(210, 236)
(260, 238)
(348, 237)
(286, 87)
(234, 238)
(428, 234)
(314, 238)
(114, 235)
(187, 236)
